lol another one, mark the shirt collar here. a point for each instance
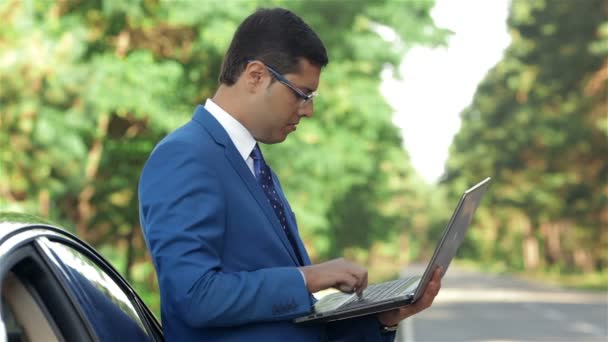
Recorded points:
(240, 136)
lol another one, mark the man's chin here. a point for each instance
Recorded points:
(280, 139)
(274, 140)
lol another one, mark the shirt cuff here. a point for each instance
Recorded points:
(303, 277)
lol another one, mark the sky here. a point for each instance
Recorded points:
(437, 84)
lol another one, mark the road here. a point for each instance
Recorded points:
(479, 307)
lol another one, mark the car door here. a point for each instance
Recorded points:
(34, 304)
(110, 305)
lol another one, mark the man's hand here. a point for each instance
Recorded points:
(338, 273)
(393, 317)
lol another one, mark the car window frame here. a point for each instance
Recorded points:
(151, 324)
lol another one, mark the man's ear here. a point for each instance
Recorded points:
(254, 75)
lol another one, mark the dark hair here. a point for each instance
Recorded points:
(278, 38)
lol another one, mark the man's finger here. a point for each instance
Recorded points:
(438, 272)
(364, 283)
(347, 283)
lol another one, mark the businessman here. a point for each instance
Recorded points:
(224, 241)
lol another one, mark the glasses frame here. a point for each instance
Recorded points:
(304, 98)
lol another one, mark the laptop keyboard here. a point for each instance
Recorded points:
(382, 291)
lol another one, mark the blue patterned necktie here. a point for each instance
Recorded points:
(264, 177)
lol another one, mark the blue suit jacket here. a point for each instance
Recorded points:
(226, 269)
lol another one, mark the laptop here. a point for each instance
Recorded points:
(402, 292)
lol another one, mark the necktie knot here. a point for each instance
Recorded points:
(256, 154)
(260, 169)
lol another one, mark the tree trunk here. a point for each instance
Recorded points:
(130, 253)
(85, 209)
(583, 260)
(553, 233)
(531, 258)
(530, 248)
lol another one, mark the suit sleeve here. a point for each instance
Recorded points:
(182, 209)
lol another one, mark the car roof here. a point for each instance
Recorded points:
(12, 222)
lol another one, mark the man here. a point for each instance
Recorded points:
(224, 241)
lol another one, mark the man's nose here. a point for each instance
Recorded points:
(307, 109)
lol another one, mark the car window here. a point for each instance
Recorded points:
(103, 301)
(22, 315)
(14, 330)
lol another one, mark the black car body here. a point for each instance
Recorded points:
(55, 287)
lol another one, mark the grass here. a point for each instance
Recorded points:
(595, 281)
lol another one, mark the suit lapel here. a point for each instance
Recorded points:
(220, 136)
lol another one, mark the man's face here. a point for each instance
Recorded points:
(280, 108)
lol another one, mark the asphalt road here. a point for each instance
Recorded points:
(479, 307)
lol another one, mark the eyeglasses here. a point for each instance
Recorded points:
(304, 98)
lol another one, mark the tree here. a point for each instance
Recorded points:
(537, 124)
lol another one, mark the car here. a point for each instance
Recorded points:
(55, 287)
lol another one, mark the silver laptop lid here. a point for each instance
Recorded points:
(453, 234)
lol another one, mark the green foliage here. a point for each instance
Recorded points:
(88, 88)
